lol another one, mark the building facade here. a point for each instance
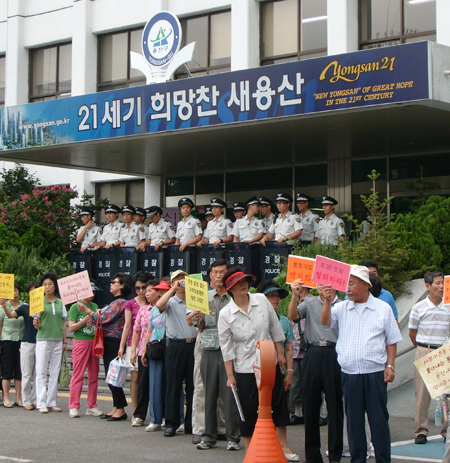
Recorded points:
(287, 95)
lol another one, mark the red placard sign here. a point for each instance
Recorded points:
(300, 268)
(331, 272)
(447, 289)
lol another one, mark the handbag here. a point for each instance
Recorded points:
(117, 372)
(98, 347)
(156, 350)
(64, 372)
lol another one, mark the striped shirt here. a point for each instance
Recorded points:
(431, 322)
(361, 345)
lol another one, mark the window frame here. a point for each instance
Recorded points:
(2, 102)
(57, 93)
(299, 54)
(122, 83)
(401, 38)
(181, 72)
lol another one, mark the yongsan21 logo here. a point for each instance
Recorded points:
(161, 39)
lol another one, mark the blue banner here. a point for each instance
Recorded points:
(360, 79)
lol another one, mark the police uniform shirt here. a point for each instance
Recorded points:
(218, 229)
(246, 229)
(111, 232)
(310, 223)
(267, 222)
(91, 236)
(282, 227)
(329, 230)
(132, 235)
(188, 229)
(160, 232)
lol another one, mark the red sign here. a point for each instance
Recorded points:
(300, 268)
(331, 272)
(447, 289)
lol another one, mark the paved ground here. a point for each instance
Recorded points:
(28, 436)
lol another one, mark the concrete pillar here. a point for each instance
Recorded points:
(340, 169)
(84, 50)
(17, 84)
(442, 22)
(153, 191)
(342, 26)
(155, 6)
(244, 34)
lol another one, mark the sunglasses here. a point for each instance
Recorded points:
(140, 288)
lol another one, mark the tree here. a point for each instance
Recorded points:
(16, 182)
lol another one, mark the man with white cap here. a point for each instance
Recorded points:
(331, 227)
(366, 349)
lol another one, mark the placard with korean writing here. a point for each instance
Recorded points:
(331, 272)
(37, 300)
(435, 370)
(447, 289)
(75, 287)
(197, 295)
(7, 285)
(301, 268)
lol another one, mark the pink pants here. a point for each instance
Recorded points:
(82, 358)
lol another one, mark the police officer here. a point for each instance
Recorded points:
(140, 216)
(111, 231)
(310, 221)
(189, 229)
(131, 234)
(287, 227)
(160, 231)
(249, 229)
(331, 227)
(238, 210)
(219, 228)
(89, 234)
(209, 214)
(267, 216)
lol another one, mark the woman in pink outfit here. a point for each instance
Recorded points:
(83, 329)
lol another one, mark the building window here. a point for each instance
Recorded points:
(114, 70)
(212, 34)
(391, 22)
(2, 79)
(292, 30)
(51, 72)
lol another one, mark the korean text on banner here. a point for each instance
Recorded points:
(197, 295)
(331, 272)
(300, 268)
(447, 289)
(7, 285)
(75, 287)
(435, 370)
(36, 300)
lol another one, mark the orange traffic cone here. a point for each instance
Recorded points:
(265, 446)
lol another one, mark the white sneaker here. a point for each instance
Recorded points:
(346, 454)
(136, 422)
(54, 409)
(180, 430)
(152, 427)
(232, 445)
(43, 410)
(73, 413)
(94, 412)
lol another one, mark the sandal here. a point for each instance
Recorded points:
(18, 403)
(7, 404)
(28, 407)
(292, 457)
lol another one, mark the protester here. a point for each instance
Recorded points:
(245, 320)
(51, 342)
(27, 351)
(11, 335)
(80, 324)
(138, 348)
(113, 320)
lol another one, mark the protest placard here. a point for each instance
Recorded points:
(6, 285)
(37, 300)
(331, 272)
(447, 289)
(197, 295)
(300, 268)
(434, 368)
(75, 287)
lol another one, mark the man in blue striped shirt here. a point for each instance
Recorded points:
(366, 348)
